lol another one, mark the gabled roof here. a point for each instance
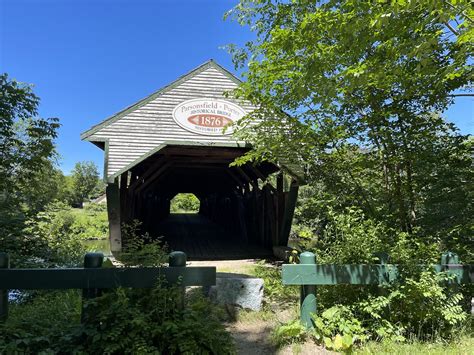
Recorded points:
(209, 64)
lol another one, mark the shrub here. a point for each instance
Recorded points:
(291, 332)
(121, 321)
(40, 323)
(49, 239)
(420, 305)
(274, 289)
(140, 249)
(91, 222)
(338, 329)
(151, 321)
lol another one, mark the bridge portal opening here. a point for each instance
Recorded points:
(185, 203)
(236, 211)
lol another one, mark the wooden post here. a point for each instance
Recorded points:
(280, 204)
(288, 214)
(123, 196)
(4, 264)
(307, 294)
(91, 260)
(113, 211)
(178, 259)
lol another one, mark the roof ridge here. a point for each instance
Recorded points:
(206, 65)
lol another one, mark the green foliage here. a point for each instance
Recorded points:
(40, 323)
(291, 332)
(85, 183)
(274, 289)
(460, 346)
(50, 237)
(338, 329)
(355, 89)
(140, 249)
(441, 309)
(27, 169)
(348, 228)
(184, 203)
(120, 321)
(91, 222)
(152, 322)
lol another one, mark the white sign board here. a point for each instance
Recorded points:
(207, 116)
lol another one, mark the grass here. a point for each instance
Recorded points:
(462, 346)
(241, 269)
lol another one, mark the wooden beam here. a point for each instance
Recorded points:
(262, 177)
(280, 207)
(113, 212)
(289, 212)
(153, 183)
(204, 151)
(330, 274)
(152, 178)
(123, 196)
(143, 277)
(246, 177)
(149, 171)
(270, 214)
(236, 178)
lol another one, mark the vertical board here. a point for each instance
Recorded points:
(113, 211)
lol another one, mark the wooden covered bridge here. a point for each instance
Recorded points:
(173, 142)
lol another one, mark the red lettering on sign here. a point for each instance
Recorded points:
(209, 120)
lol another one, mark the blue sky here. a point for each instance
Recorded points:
(90, 59)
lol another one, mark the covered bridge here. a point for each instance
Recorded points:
(173, 142)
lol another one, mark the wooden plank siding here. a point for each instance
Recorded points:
(149, 158)
(151, 125)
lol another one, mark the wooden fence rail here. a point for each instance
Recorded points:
(93, 277)
(308, 274)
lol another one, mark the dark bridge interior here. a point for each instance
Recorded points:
(241, 215)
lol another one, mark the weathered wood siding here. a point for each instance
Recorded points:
(144, 129)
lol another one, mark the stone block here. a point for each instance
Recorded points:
(241, 292)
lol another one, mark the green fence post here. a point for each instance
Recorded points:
(178, 259)
(4, 264)
(450, 258)
(91, 261)
(307, 293)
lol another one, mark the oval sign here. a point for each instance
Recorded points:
(207, 116)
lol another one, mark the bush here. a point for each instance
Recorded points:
(275, 291)
(120, 321)
(49, 239)
(151, 321)
(420, 305)
(140, 249)
(41, 322)
(91, 222)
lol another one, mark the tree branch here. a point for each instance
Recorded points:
(451, 28)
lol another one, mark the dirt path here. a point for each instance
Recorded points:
(252, 331)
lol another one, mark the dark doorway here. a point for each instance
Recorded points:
(240, 213)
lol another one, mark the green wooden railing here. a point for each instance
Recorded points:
(308, 274)
(92, 277)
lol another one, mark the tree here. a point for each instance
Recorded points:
(85, 181)
(27, 152)
(353, 87)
